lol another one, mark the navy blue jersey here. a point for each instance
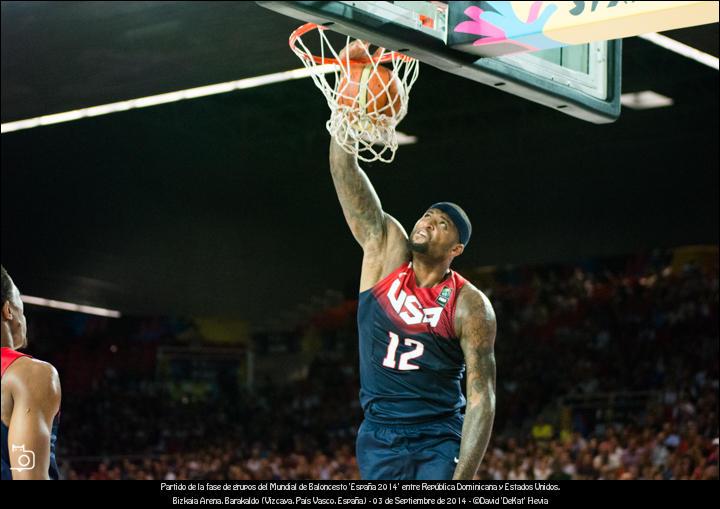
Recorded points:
(27, 457)
(411, 363)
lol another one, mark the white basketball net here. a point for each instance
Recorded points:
(363, 118)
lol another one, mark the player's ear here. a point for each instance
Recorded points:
(7, 311)
(458, 250)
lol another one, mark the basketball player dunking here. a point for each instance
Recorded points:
(420, 326)
(30, 398)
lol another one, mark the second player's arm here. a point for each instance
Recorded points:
(36, 401)
(477, 337)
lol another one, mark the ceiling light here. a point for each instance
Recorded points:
(405, 139)
(69, 306)
(645, 100)
(682, 49)
(153, 100)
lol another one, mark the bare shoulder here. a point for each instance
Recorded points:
(472, 301)
(474, 315)
(393, 238)
(381, 258)
(396, 248)
(35, 378)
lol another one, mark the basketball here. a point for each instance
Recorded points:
(369, 89)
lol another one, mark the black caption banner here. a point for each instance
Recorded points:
(345, 493)
(134, 494)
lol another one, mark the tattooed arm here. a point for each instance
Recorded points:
(382, 238)
(360, 204)
(475, 323)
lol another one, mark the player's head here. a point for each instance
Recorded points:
(14, 328)
(442, 232)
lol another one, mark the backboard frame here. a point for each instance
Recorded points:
(428, 46)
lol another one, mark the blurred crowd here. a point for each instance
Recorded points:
(630, 326)
(228, 462)
(674, 437)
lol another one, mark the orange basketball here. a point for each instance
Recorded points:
(370, 90)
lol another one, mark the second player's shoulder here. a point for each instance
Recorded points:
(34, 375)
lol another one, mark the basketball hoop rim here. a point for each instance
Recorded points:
(307, 27)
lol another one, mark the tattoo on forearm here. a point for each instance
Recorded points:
(358, 199)
(479, 417)
(480, 409)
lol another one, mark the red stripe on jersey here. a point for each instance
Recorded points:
(9, 356)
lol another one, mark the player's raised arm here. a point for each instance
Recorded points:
(359, 202)
(382, 237)
(477, 338)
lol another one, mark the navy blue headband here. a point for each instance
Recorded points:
(459, 218)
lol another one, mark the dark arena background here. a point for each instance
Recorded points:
(211, 225)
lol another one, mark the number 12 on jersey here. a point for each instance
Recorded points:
(404, 363)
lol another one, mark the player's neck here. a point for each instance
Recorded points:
(428, 273)
(5, 338)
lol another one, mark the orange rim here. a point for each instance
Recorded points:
(300, 31)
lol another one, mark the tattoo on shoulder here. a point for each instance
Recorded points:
(478, 321)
